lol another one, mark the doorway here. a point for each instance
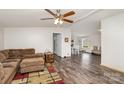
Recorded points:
(57, 43)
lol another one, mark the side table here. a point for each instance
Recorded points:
(49, 57)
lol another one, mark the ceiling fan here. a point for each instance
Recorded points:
(59, 18)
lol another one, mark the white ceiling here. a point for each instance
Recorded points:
(31, 17)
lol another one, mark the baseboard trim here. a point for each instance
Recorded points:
(113, 68)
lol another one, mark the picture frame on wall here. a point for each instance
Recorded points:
(66, 39)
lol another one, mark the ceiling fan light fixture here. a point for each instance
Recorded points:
(56, 21)
(59, 17)
(61, 22)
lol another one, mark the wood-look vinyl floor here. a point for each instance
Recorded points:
(86, 69)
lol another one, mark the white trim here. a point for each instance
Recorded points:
(112, 67)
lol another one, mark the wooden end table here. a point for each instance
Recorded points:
(49, 57)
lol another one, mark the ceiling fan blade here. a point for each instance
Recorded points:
(46, 18)
(69, 13)
(50, 12)
(66, 20)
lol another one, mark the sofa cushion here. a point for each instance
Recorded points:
(32, 68)
(2, 56)
(28, 51)
(15, 53)
(32, 62)
(19, 53)
(1, 71)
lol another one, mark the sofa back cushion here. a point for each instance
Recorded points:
(19, 53)
(2, 57)
(15, 53)
(28, 51)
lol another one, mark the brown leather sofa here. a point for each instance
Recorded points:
(11, 59)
